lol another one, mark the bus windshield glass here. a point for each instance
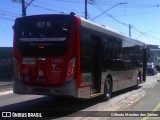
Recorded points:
(42, 34)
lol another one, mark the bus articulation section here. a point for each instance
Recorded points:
(66, 55)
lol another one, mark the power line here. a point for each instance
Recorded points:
(9, 13)
(61, 12)
(26, 4)
(72, 1)
(109, 15)
(46, 8)
(107, 10)
(53, 5)
(132, 4)
(4, 18)
(122, 23)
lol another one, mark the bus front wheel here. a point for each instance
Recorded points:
(107, 90)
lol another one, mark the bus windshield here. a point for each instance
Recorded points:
(42, 35)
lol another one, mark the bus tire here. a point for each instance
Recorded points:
(107, 90)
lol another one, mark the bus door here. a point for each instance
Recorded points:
(96, 56)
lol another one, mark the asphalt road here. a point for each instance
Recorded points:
(68, 108)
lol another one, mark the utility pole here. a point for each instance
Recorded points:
(85, 9)
(23, 8)
(24, 5)
(130, 30)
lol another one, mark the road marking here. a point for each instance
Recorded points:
(155, 109)
(6, 92)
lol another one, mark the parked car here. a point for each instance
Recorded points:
(151, 69)
(158, 67)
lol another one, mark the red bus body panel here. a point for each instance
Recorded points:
(45, 72)
(50, 71)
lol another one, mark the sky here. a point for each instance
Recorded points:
(142, 15)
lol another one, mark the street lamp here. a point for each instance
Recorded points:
(108, 10)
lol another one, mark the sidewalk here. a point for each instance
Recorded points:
(5, 81)
(148, 104)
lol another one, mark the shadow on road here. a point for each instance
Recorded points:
(56, 107)
(124, 91)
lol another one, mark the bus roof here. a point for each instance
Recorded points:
(105, 29)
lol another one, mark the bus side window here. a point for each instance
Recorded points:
(107, 53)
(115, 49)
(85, 51)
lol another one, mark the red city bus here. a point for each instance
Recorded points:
(66, 55)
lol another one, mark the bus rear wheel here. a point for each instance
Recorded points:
(107, 90)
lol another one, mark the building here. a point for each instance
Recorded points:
(5, 62)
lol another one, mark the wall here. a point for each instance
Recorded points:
(5, 62)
